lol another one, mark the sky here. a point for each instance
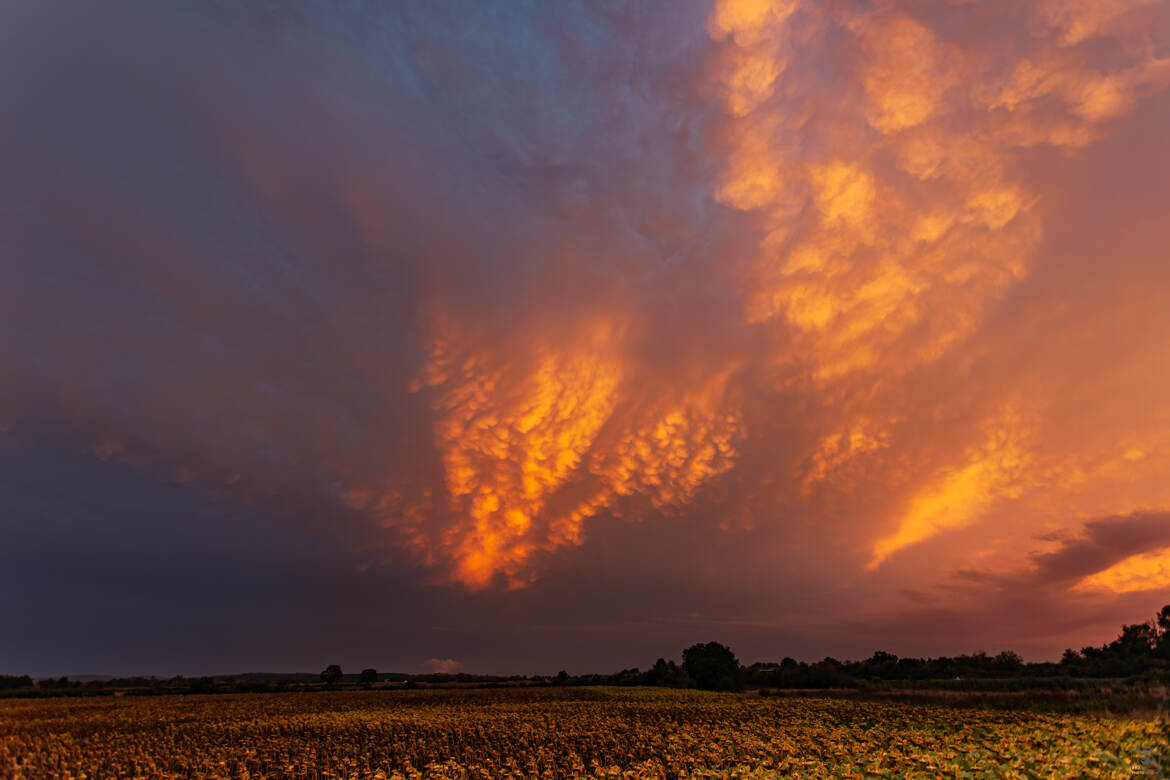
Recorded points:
(511, 337)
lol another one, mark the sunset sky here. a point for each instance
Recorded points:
(519, 336)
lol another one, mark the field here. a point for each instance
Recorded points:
(551, 732)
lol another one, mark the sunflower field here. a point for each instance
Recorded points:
(554, 733)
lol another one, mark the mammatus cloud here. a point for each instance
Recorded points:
(830, 291)
(893, 209)
(893, 204)
(531, 448)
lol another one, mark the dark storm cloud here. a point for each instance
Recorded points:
(1099, 544)
(223, 227)
(1105, 541)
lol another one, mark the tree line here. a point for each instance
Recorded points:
(1141, 652)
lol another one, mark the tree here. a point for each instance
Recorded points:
(369, 676)
(12, 681)
(668, 673)
(882, 664)
(1135, 640)
(1163, 640)
(713, 667)
(1008, 661)
(332, 675)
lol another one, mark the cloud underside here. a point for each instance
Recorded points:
(889, 211)
(493, 282)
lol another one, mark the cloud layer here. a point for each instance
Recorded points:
(802, 312)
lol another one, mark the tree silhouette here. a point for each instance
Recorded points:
(1136, 640)
(1008, 661)
(668, 673)
(332, 675)
(12, 681)
(713, 667)
(369, 676)
(1162, 643)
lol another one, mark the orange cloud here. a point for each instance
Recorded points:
(531, 448)
(893, 216)
(1077, 20)
(877, 288)
(1147, 571)
(907, 73)
(897, 196)
(836, 450)
(760, 55)
(510, 438)
(960, 495)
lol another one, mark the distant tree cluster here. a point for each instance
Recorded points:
(883, 666)
(668, 674)
(1141, 653)
(12, 682)
(1141, 648)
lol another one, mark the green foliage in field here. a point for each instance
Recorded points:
(553, 732)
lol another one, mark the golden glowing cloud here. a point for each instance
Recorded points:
(1147, 571)
(907, 72)
(532, 448)
(883, 248)
(836, 449)
(759, 57)
(509, 440)
(889, 211)
(889, 203)
(958, 497)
